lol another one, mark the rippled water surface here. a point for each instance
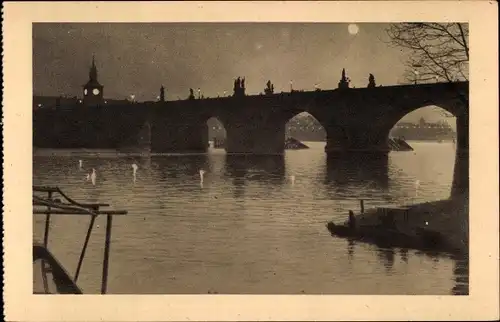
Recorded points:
(248, 228)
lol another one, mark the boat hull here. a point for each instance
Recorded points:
(384, 237)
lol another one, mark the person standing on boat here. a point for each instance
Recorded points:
(352, 220)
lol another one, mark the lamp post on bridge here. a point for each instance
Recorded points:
(415, 71)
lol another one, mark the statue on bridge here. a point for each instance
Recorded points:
(162, 94)
(191, 94)
(344, 81)
(269, 88)
(239, 87)
(371, 81)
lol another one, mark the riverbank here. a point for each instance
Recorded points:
(449, 219)
(80, 152)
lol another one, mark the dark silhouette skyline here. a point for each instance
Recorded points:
(138, 58)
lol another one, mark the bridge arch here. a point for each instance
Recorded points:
(425, 123)
(304, 126)
(448, 111)
(445, 124)
(213, 128)
(216, 132)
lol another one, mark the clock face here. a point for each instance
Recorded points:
(95, 91)
(85, 92)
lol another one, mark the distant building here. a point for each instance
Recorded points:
(53, 102)
(423, 130)
(93, 90)
(92, 96)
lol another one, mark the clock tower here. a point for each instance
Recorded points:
(93, 91)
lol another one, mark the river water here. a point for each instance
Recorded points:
(248, 228)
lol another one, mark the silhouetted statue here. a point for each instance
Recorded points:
(371, 81)
(58, 102)
(191, 94)
(269, 88)
(239, 87)
(344, 82)
(162, 94)
(352, 220)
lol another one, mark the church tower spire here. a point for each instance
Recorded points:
(93, 71)
(344, 81)
(93, 91)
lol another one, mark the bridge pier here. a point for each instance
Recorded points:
(255, 138)
(460, 185)
(178, 137)
(354, 140)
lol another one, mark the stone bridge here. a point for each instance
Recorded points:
(355, 119)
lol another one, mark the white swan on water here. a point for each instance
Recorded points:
(93, 176)
(202, 173)
(134, 169)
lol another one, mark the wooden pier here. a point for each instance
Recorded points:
(46, 203)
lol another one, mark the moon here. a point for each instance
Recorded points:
(353, 28)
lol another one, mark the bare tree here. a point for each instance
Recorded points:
(438, 51)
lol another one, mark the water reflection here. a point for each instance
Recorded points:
(267, 171)
(461, 276)
(362, 169)
(403, 252)
(265, 168)
(248, 229)
(182, 166)
(350, 249)
(386, 256)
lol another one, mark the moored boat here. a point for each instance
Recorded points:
(421, 239)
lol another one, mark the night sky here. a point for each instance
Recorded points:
(137, 58)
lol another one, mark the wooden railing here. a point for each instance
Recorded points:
(49, 205)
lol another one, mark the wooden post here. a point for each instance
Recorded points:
(82, 255)
(47, 223)
(104, 285)
(362, 205)
(45, 243)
